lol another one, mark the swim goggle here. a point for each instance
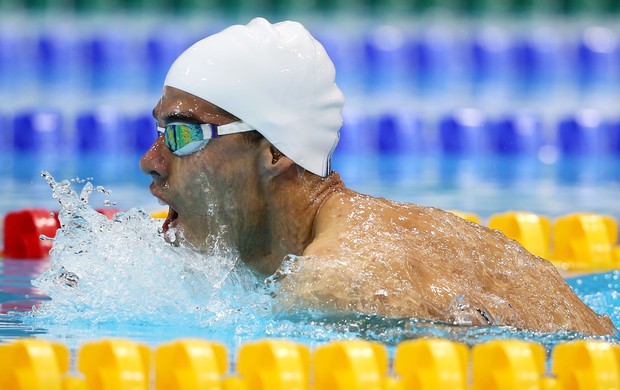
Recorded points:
(186, 138)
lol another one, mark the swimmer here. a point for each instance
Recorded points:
(248, 120)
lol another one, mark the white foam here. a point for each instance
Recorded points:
(121, 269)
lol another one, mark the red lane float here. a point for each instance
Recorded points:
(23, 229)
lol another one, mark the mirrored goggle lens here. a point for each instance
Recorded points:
(183, 138)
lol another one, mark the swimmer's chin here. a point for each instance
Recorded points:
(176, 236)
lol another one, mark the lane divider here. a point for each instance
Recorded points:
(586, 241)
(423, 364)
(575, 242)
(530, 230)
(23, 230)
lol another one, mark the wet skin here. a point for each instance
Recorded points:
(357, 253)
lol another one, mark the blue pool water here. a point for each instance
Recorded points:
(149, 292)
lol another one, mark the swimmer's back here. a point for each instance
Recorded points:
(376, 256)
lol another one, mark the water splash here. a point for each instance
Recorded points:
(121, 269)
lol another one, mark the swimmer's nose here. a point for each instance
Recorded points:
(154, 162)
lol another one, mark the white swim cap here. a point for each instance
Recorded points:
(275, 77)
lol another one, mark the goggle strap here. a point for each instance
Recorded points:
(232, 128)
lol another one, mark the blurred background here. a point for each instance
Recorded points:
(526, 80)
(480, 106)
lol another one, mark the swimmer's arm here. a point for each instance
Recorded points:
(342, 286)
(302, 284)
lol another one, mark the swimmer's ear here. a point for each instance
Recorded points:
(273, 162)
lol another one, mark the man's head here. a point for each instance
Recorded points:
(275, 79)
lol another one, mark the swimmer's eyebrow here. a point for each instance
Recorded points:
(178, 117)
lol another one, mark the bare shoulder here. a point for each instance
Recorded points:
(353, 223)
(377, 256)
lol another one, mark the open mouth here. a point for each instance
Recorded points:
(172, 216)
